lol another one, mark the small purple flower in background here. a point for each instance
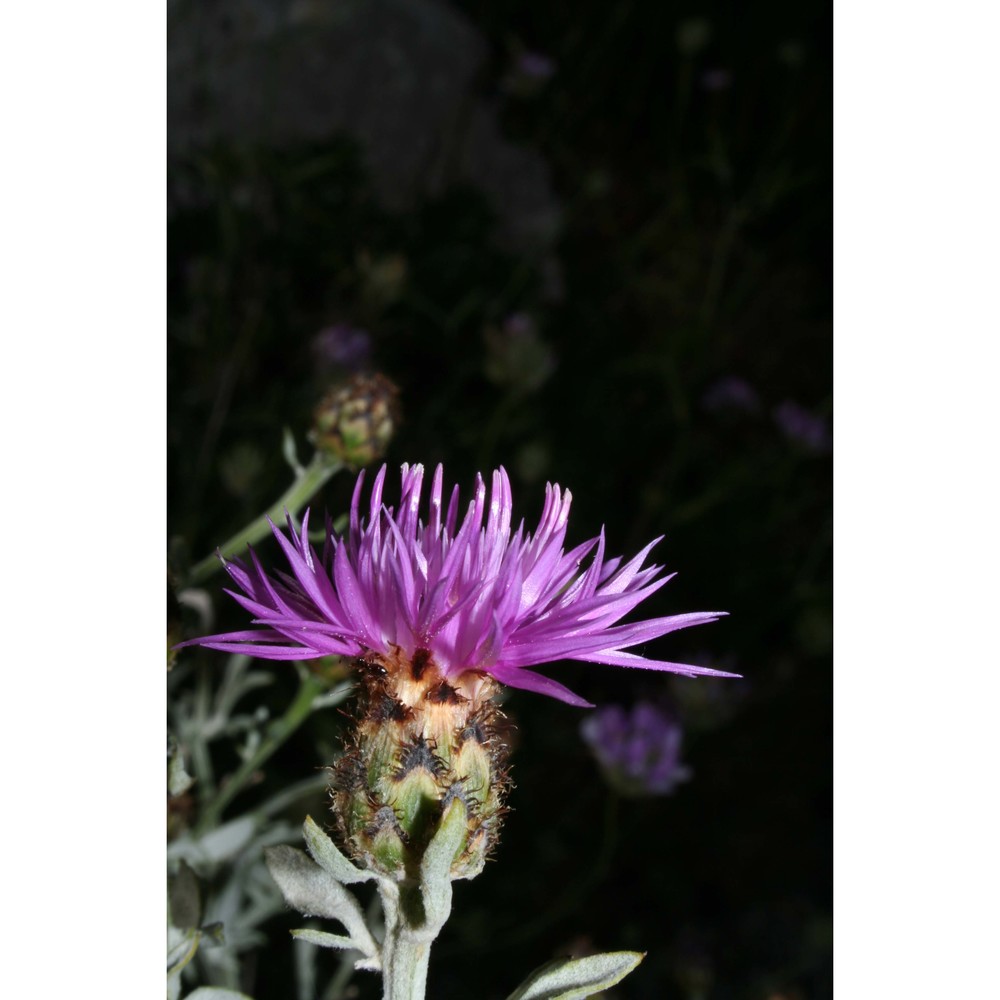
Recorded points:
(528, 73)
(638, 751)
(535, 65)
(805, 429)
(715, 80)
(342, 346)
(465, 601)
(519, 325)
(731, 393)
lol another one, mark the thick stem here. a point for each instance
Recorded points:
(406, 949)
(405, 957)
(311, 479)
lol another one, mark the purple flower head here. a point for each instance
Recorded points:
(638, 751)
(535, 65)
(803, 428)
(469, 596)
(731, 393)
(528, 73)
(342, 346)
(519, 324)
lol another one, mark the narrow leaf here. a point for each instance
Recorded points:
(178, 780)
(324, 940)
(435, 867)
(316, 893)
(290, 452)
(306, 886)
(228, 840)
(327, 855)
(184, 898)
(575, 978)
(181, 951)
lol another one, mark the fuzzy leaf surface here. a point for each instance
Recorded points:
(575, 978)
(315, 892)
(328, 856)
(435, 867)
(323, 939)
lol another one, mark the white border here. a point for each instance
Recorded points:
(916, 499)
(82, 403)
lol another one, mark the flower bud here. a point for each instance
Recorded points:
(356, 420)
(420, 741)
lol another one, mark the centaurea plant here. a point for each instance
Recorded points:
(438, 616)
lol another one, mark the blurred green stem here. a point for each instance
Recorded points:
(303, 488)
(277, 733)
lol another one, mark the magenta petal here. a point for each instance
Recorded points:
(616, 658)
(528, 680)
(474, 594)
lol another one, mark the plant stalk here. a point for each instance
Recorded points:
(303, 488)
(406, 949)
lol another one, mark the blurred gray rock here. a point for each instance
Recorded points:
(397, 75)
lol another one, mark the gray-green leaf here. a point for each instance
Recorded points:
(326, 854)
(323, 939)
(185, 898)
(575, 978)
(316, 893)
(435, 867)
(290, 452)
(178, 780)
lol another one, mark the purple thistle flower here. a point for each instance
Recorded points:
(471, 597)
(342, 346)
(731, 393)
(807, 430)
(535, 65)
(638, 751)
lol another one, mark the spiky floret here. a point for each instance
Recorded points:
(474, 595)
(419, 740)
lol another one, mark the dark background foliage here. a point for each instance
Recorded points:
(659, 206)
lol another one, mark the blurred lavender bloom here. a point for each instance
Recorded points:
(529, 72)
(519, 324)
(638, 751)
(342, 346)
(714, 80)
(731, 393)
(535, 65)
(803, 428)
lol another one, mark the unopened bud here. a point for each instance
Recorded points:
(420, 742)
(356, 420)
